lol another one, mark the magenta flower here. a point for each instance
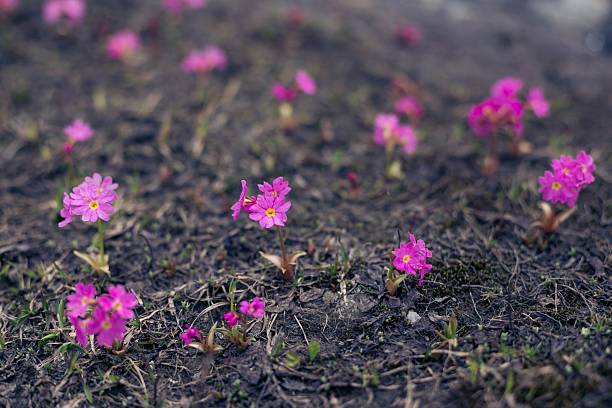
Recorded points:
(109, 328)
(270, 210)
(122, 45)
(118, 301)
(406, 137)
(177, 6)
(78, 131)
(231, 318)
(92, 199)
(384, 126)
(585, 168)
(189, 335)
(283, 93)
(78, 303)
(203, 61)
(305, 82)
(278, 188)
(495, 113)
(409, 106)
(538, 103)
(67, 213)
(6, 6)
(255, 308)
(72, 11)
(409, 34)
(240, 204)
(81, 329)
(558, 188)
(506, 87)
(411, 257)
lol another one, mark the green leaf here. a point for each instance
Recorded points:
(61, 317)
(314, 348)
(292, 359)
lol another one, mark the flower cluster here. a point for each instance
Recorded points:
(410, 107)
(77, 131)
(303, 83)
(389, 132)
(568, 177)
(269, 208)
(202, 61)
(256, 309)
(103, 316)
(504, 110)
(122, 45)
(71, 11)
(91, 200)
(6, 6)
(189, 335)
(411, 257)
(177, 6)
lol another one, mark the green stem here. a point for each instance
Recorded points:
(101, 240)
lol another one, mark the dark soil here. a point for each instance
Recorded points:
(533, 321)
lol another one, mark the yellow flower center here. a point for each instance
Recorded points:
(270, 212)
(116, 305)
(94, 205)
(106, 325)
(565, 171)
(406, 258)
(84, 300)
(584, 168)
(556, 186)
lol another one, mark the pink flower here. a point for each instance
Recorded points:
(81, 329)
(585, 168)
(73, 11)
(78, 303)
(406, 138)
(506, 87)
(122, 45)
(565, 166)
(411, 257)
(67, 213)
(305, 83)
(190, 334)
(410, 107)
(495, 113)
(243, 202)
(294, 16)
(409, 34)
(279, 187)
(177, 6)
(538, 103)
(202, 61)
(109, 328)
(119, 301)
(384, 126)
(8, 5)
(93, 199)
(255, 308)
(78, 131)
(270, 210)
(283, 93)
(231, 318)
(558, 188)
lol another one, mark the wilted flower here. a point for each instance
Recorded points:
(189, 335)
(202, 61)
(270, 210)
(255, 308)
(6, 6)
(177, 6)
(122, 45)
(506, 87)
(243, 202)
(409, 106)
(411, 257)
(78, 303)
(231, 318)
(305, 82)
(283, 93)
(409, 34)
(538, 103)
(73, 11)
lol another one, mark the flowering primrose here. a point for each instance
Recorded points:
(211, 58)
(411, 257)
(255, 308)
(122, 45)
(6, 6)
(71, 11)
